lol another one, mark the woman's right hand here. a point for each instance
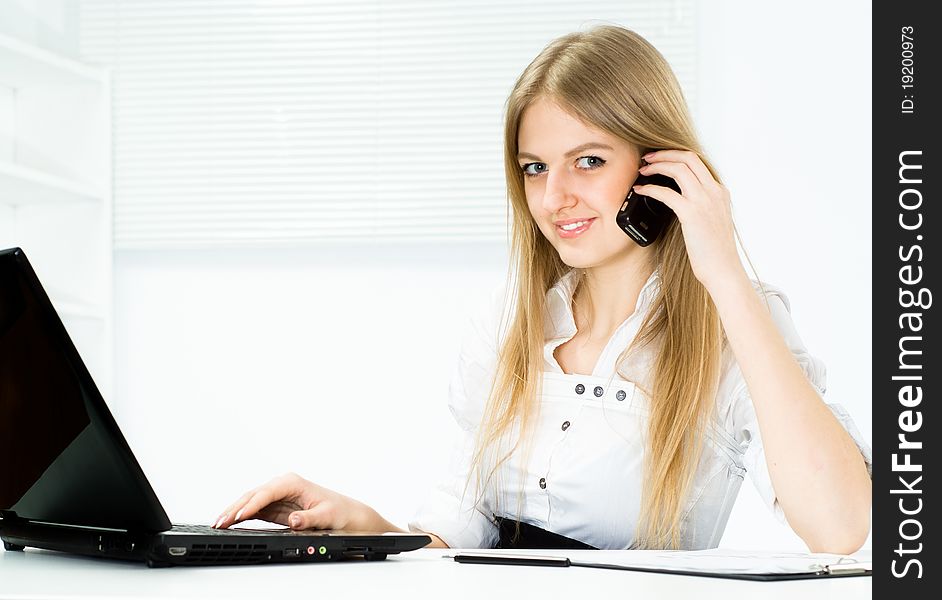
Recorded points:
(300, 504)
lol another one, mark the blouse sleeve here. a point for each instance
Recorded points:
(449, 510)
(740, 416)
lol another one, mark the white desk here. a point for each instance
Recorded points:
(418, 574)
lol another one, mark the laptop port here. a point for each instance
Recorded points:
(292, 552)
(177, 551)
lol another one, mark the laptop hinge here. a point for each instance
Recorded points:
(8, 515)
(82, 527)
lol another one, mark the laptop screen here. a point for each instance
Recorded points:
(62, 458)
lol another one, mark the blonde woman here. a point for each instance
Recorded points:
(618, 394)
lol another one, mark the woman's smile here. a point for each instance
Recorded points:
(574, 230)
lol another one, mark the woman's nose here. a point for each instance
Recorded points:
(559, 192)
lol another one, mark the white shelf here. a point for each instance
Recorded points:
(23, 185)
(70, 307)
(55, 187)
(24, 65)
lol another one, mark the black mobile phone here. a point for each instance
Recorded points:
(642, 217)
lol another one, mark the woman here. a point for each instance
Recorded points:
(619, 399)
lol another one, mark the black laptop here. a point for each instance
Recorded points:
(69, 481)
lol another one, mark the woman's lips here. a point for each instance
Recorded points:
(575, 232)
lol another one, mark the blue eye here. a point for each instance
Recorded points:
(590, 164)
(598, 162)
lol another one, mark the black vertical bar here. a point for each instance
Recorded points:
(906, 365)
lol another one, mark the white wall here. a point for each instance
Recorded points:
(784, 109)
(334, 362)
(49, 24)
(236, 366)
(7, 144)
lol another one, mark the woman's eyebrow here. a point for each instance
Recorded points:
(576, 150)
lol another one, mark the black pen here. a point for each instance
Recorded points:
(482, 558)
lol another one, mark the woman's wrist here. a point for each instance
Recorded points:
(370, 520)
(730, 282)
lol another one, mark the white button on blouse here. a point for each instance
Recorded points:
(584, 475)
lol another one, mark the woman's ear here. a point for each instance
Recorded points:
(641, 152)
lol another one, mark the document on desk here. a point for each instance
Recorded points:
(717, 562)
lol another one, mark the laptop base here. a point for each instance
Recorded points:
(181, 548)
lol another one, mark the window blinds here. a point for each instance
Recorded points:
(243, 122)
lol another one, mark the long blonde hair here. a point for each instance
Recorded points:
(613, 79)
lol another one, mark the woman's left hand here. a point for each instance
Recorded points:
(704, 211)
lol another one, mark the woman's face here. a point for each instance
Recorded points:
(574, 172)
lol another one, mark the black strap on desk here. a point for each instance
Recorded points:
(532, 536)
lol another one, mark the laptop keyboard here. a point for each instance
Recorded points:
(207, 530)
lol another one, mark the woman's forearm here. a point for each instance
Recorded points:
(819, 476)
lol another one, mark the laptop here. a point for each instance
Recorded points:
(69, 481)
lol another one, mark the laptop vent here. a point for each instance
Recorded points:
(227, 553)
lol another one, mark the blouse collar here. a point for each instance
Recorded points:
(561, 322)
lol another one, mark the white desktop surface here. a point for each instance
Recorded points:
(417, 574)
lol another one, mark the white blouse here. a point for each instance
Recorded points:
(583, 478)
